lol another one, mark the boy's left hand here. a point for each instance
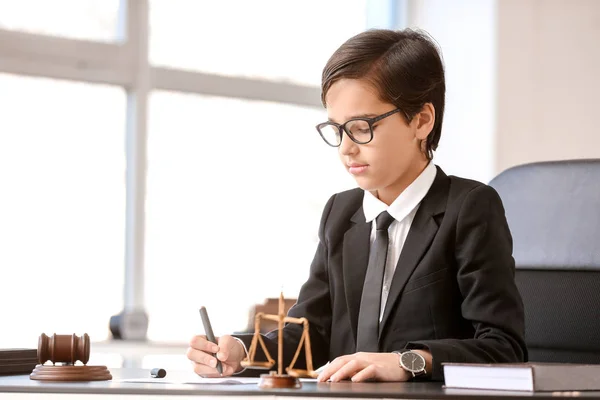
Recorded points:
(360, 367)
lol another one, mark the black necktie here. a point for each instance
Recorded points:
(370, 303)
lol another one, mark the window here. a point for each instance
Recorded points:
(62, 153)
(62, 207)
(272, 39)
(223, 175)
(78, 19)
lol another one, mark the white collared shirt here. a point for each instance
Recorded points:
(403, 209)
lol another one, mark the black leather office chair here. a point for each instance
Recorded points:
(553, 210)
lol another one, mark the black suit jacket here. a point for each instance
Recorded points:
(453, 290)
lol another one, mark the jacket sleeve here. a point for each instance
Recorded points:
(485, 275)
(314, 304)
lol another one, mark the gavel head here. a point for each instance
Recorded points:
(63, 348)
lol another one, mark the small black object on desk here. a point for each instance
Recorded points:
(158, 373)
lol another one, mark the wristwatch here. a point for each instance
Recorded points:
(412, 362)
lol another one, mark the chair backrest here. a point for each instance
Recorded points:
(553, 211)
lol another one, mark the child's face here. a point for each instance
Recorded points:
(387, 163)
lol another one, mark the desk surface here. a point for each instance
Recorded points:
(21, 384)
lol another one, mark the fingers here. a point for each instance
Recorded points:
(369, 373)
(230, 350)
(361, 367)
(332, 368)
(201, 353)
(204, 370)
(201, 357)
(208, 372)
(348, 370)
(228, 369)
(200, 342)
(204, 355)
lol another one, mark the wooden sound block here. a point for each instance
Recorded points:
(70, 373)
(274, 381)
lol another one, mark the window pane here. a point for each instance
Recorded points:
(235, 194)
(78, 19)
(273, 39)
(62, 208)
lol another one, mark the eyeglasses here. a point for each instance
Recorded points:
(359, 130)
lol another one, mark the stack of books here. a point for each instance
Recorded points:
(17, 361)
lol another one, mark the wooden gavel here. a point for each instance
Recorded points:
(63, 348)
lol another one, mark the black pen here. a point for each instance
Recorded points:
(209, 334)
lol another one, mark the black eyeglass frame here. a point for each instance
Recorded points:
(342, 127)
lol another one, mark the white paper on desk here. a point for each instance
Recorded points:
(201, 381)
(197, 381)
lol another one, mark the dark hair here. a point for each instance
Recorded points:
(404, 66)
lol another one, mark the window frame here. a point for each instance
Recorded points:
(125, 63)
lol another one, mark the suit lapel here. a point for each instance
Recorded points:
(355, 259)
(421, 234)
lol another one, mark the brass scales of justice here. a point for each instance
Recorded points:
(278, 379)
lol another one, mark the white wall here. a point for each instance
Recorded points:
(523, 81)
(466, 32)
(548, 80)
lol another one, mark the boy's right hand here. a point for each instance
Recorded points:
(228, 350)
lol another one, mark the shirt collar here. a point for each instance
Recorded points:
(406, 202)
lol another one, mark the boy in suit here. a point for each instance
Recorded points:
(413, 268)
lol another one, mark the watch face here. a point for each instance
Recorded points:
(412, 361)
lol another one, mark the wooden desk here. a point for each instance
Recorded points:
(21, 387)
